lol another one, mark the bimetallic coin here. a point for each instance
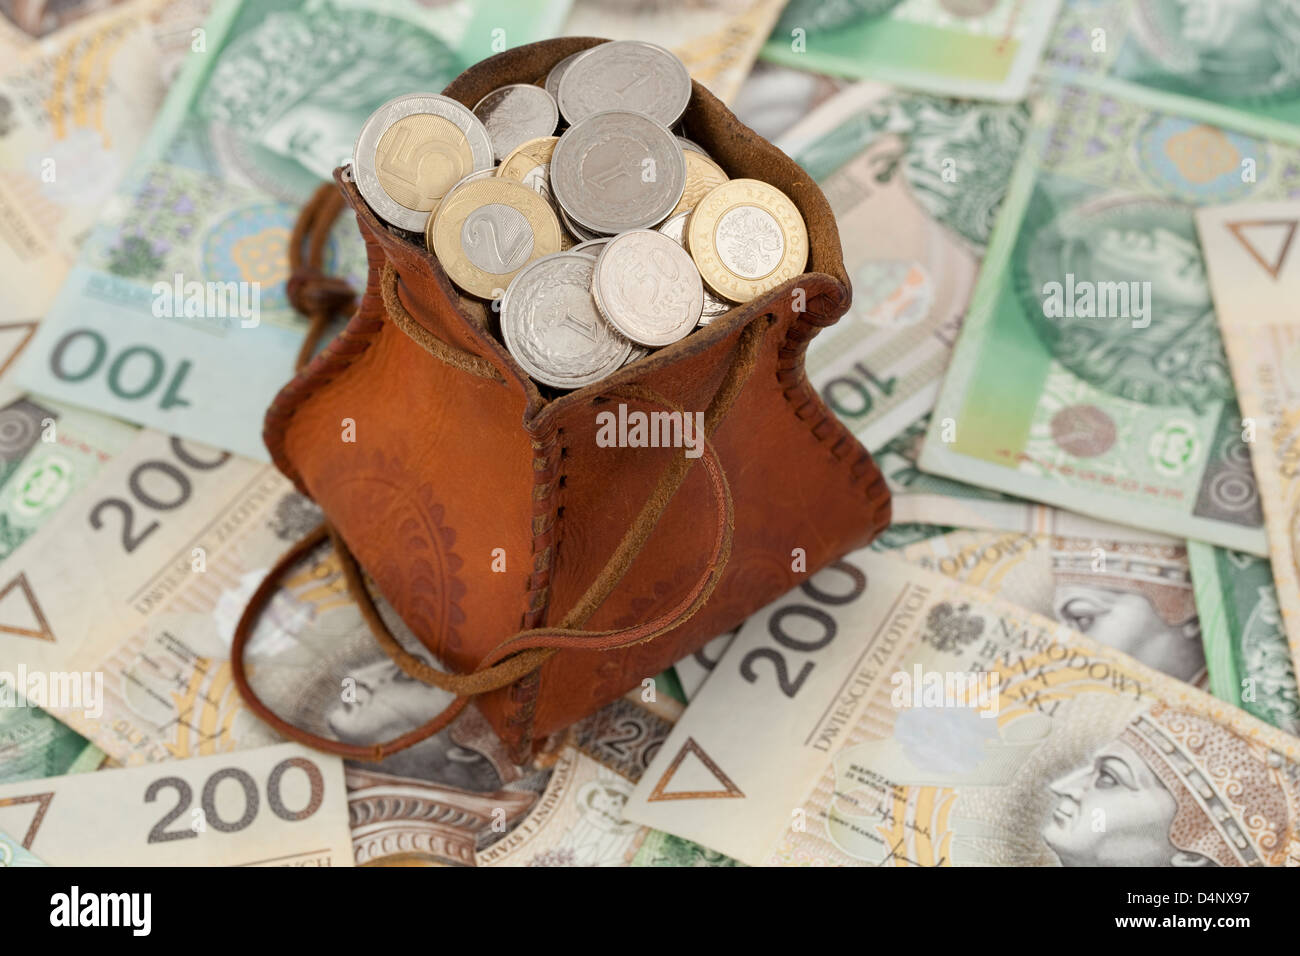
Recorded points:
(515, 114)
(551, 326)
(590, 247)
(625, 75)
(675, 229)
(702, 175)
(410, 153)
(530, 163)
(746, 237)
(648, 287)
(486, 231)
(617, 171)
(557, 71)
(473, 178)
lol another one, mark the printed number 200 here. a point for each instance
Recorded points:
(160, 833)
(135, 482)
(776, 627)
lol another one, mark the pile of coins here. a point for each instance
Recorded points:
(616, 237)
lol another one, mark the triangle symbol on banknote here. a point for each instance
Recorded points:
(22, 614)
(14, 336)
(1268, 241)
(30, 808)
(694, 770)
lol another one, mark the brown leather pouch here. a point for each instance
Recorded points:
(550, 575)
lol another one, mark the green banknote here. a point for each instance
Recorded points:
(936, 170)
(35, 745)
(1236, 56)
(47, 452)
(1090, 373)
(14, 854)
(983, 49)
(175, 314)
(1246, 649)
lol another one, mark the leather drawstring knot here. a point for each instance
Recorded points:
(313, 293)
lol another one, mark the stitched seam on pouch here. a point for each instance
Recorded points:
(824, 424)
(548, 469)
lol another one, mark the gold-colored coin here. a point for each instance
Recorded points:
(523, 161)
(702, 175)
(746, 237)
(420, 157)
(485, 231)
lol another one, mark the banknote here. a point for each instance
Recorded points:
(982, 49)
(456, 799)
(1246, 649)
(1254, 269)
(694, 670)
(774, 98)
(935, 170)
(578, 819)
(175, 314)
(1136, 598)
(76, 107)
(33, 744)
(156, 624)
(13, 854)
(883, 714)
(1238, 56)
(48, 451)
(1090, 372)
(275, 806)
(32, 21)
(180, 536)
(117, 583)
(928, 500)
(437, 802)
(718, 40)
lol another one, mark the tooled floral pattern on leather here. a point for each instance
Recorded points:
(417, 569)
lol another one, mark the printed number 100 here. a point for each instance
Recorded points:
(133, 374)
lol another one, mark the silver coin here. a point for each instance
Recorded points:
(648, 287)
(515, 114)
(692, 145)
(625, 75)
(617, 171)
(638, 352)
(583, 235)
(420, 163)
(674, 228)
(557, 71)
(590, 247)
(551, 326)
